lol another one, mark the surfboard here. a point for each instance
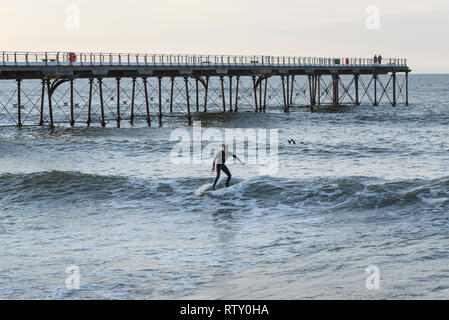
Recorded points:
(207, 189)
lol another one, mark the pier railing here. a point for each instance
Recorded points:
(80, 58)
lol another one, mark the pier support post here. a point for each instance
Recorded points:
(159, 79)
(147, 102)
(205, 93)
(319, 89)
(260, 95)
(189, 118)
(376, 103)
(172, 84)
(133, 94)
(283, 93)
(288, 92)
(100, 89)
(197, 96)
(237, 94)
(118, 102)
(50, 107)
(335, 91)
(394, 89)
(291, 91)
(255, 94)
(356, 84)
(312, 91)
(265, 95)
(89, 103)
(230, 93)
(72, 119)
(41, 116)
(223, 93)
(19, 103)
(406, 89)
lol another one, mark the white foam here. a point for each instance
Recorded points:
(432, 200)
(200, 191)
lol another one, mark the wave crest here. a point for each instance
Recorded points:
(346, 193)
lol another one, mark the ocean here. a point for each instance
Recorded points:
(367, 188)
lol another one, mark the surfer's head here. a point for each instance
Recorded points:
(224, 147)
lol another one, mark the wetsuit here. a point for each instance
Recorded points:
(220, 159)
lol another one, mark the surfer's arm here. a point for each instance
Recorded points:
(238, 159)
(213, 163)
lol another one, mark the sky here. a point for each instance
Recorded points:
(416, 30)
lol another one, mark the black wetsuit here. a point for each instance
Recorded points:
(225, 169)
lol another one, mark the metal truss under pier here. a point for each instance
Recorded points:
(98, 88)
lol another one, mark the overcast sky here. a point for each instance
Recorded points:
(416, 30)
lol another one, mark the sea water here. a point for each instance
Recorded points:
(369, 187)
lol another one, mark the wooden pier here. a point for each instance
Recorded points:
(99, 88)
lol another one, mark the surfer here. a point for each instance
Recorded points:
(220, 159)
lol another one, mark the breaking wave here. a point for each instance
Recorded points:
(344, 193)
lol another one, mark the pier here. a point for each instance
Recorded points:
(50, 88)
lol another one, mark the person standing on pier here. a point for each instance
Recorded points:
(220, 160)
(379, 59)
(375, 59)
